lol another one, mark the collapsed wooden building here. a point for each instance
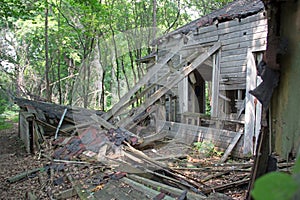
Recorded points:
(196, 89)
(202, 73)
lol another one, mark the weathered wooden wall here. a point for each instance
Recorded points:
(285, 107)
(190, 133)
(237, 37)
(26, 130)
(240, 38)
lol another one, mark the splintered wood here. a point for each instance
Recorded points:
(90, 154)
(93, 158)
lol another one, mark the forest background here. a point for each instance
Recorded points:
(83, 52)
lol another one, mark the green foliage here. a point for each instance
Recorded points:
(206, 148)
(207, 99)
(278, 185)
(8, 115)
(11, 10)
(76, 28)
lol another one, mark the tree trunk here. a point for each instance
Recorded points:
(154, 19)
(124, 72)
(59, 58)
(47, 67)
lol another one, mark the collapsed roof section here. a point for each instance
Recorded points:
(236, 9)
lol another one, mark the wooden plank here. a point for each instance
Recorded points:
(250, 32)
(179, 76)
(249, 107)
(258, 106)
(243, 38)
(236, 57)
(208, 131)
(233, 75)
(158, 81)
(246, 44)
(243, 31)
(152, 71)
(169, 45)
(233, 69)
(253, 18)
(183, 94)
(234, 82)
(219, 137)
(147, 191)
(103, 122)
(25, 174)
(233, 31)
(230, 147)
(241, 86)
(261, 158)
(233, 63)
(231, 23)
(233, 52)
(223, 187)
(164, 187)
(203, 40)
(215, 84)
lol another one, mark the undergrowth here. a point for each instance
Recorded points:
(8, 117)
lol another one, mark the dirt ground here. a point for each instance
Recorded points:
(15, 160)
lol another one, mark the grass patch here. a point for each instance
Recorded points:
(7, 118)
(5, 125)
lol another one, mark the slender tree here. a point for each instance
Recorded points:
(47, 66)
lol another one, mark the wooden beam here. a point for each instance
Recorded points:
(141, 187)
(164, 187)
(177, 78)
(227, 186)
(25, 174)
(249, 104)
(230, 147)
(146, 90)
(108, 126)
(103, 122)
(215, 85)
(50, 126)
(153, 70)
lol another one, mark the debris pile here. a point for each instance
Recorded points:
(87, 157)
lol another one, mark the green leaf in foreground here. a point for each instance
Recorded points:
(275, 186)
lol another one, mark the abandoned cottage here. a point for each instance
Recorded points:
(197, 83)
(208, 67)
(196, 89)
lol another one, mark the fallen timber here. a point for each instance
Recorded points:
(97, 144)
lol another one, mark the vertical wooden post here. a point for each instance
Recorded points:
(170, 108)
(249, 104)
(215, 85)
(31, 135)
(261, 159)
(183, 97)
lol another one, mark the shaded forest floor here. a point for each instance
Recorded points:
(14, 160)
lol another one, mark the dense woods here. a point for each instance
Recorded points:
(84, 53)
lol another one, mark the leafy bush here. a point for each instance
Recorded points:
(3, 104)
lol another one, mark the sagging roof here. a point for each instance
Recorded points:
(236, 9)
